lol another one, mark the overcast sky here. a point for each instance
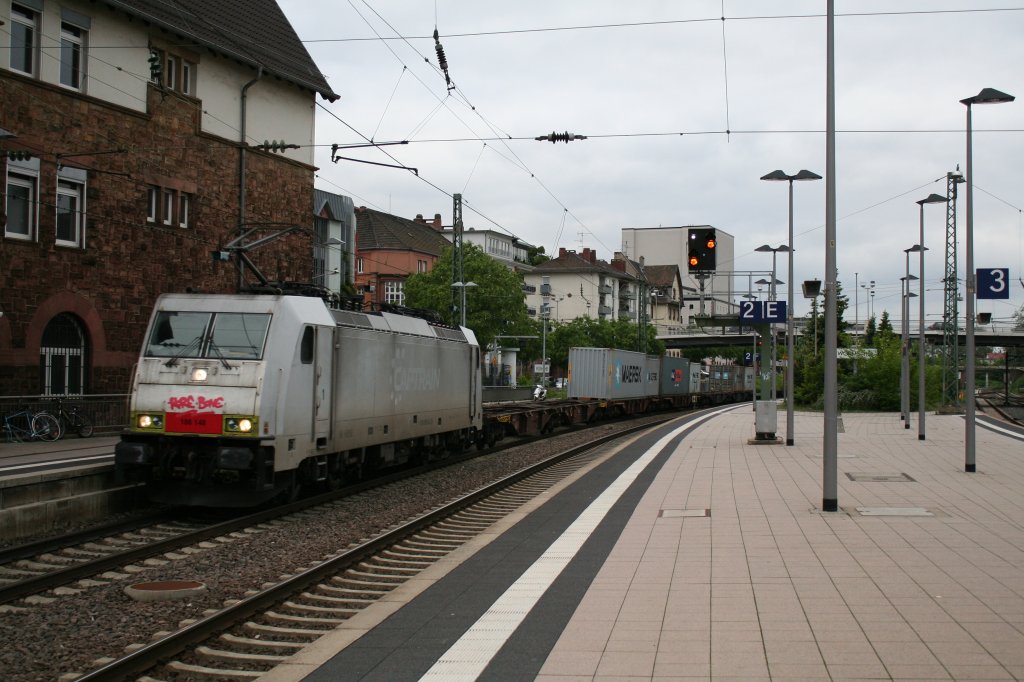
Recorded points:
(655, 86)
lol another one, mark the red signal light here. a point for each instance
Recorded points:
(711, 242)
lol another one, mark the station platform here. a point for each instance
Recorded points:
(690, 553)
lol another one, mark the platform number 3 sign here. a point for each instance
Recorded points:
(993, 282)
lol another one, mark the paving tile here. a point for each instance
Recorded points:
(960, 672)
(626, 663)
(572, 663)
(770, 584)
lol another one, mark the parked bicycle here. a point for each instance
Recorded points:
(25, 425)
(72, 420)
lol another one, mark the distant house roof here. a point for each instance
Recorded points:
(661, 275)
(569, 262)
(377, 230)
(253, 32)
(337, 206)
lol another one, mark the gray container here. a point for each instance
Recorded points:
(611, 374)
(748, 378)
(675, 376)
(694, 383)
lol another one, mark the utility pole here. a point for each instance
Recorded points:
(458, 280)
(950, 323)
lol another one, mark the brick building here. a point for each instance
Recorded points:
(389, 249)
(128, 156)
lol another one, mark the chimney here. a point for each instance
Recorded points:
(419, 218)
(590, 256)
(561, 252)
(437, 222)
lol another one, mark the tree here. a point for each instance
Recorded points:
(869, 332)
(495, 306)
(885, 324)
(536, 255)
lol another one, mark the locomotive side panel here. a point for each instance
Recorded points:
(400, 387)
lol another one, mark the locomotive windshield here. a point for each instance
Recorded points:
(180, 334)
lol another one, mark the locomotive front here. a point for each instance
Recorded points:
(195, 427)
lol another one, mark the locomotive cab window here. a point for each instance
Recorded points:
(186, 334)
(306, 351)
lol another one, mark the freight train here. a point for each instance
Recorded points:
(240, 399)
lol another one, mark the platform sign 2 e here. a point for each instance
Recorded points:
(993, 282)
(762, 311)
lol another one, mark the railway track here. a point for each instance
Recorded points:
(32, 569)
(253, 634)
(995, 403)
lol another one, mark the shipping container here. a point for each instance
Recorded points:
(675, 376)
(611, 374)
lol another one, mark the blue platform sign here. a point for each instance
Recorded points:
(757, 312)
(993, 282)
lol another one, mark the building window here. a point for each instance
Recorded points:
(24, 29)
(21, 207)
(63, 356)
(153, 204)
(184, 199)
(72, 55)
(176, 73)
(421, 266)
(166, 206)
(394, 292)
(171, 72)
(71, 213)
(187, 68)
(359, 265)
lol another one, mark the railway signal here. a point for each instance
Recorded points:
(702, 246)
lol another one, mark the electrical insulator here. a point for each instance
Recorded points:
(560, 137)
(441, 60)
(156, 66)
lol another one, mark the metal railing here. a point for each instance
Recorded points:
(108, 412)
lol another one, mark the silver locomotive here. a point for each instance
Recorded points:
(238, 399)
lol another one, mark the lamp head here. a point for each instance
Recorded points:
(806, 175)
(988, 96)
(931, 199)
(776, 175)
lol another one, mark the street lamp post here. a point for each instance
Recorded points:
(986, 96)
(869, 293)
(930, 199)
(463, 286)
(905, 337)
(779, 175)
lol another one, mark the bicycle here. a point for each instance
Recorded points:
(70, 418)
(25, 425)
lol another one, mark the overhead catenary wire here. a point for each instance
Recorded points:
(670, 22)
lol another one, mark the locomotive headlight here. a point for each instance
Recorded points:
(240, 425)
(199, 374)
(149, 421)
